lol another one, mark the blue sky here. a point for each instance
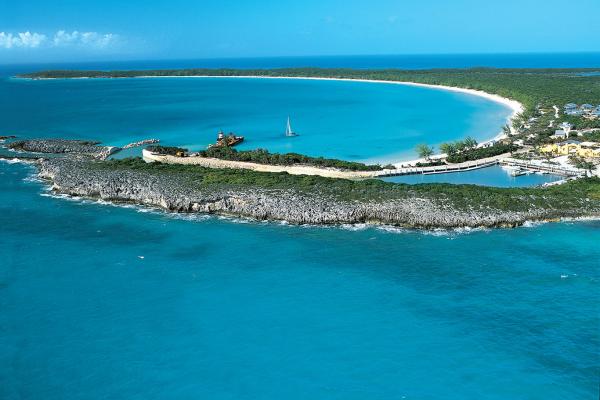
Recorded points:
(73, 30)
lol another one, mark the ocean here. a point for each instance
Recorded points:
(101, 301)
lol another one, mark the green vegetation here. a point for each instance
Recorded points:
(430, 163)
(424, 151)
(592, 136)
(581, 192)
(581, 163)
(473, 153)
(580, 123)
(167, 150)
(458, 146)
(262, 156)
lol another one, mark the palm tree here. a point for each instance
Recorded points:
(424, 151)
(448, 148)
(470, 142)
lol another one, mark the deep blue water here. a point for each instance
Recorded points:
(412, 61)
(220, 309)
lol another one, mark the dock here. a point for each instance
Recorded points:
(438, 169)
(551, 169)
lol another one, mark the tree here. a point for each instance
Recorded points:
(424, 151)
(448, 148)
(460, 145)
(470, 142)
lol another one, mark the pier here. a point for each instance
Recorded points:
(551, 169)
(439, 169)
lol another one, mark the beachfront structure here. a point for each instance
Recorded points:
(566, 126)
(573, 147)
(587, 110)
(559, 134)
(589, 150)
(575, 112)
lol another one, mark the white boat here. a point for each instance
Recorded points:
(517, 172)
(288, 129)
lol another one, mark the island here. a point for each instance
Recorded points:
(556, 111)
(555, 128)
(300, 199)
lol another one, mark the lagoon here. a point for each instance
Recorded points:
(359, 121)
(490, 176)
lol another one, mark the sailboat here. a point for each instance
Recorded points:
(288, 129)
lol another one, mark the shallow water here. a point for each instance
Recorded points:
(108, 302)
(490, 176)
(348, 120)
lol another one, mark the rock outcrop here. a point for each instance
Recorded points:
(174, 193)
(60, 146)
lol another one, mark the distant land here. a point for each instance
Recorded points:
(531, 87)
(402, 61)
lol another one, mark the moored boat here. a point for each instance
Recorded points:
(288, 129)
(228, 140)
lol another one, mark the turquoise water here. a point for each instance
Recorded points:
(490, 176)
(348, 120)
(102, 302)
(219, 309)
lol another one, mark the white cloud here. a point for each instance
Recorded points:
(22, 39)
(86, 39)
(89, 40)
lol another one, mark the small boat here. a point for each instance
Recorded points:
(228, 140)
(517, 172)
(288, 129)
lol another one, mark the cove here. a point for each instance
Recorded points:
(349, 120)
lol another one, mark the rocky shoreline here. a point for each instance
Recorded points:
(173, 194)
(63, 146)
(310, 200)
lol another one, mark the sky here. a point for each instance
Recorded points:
(76, 30)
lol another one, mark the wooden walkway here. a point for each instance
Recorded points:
(551, 169)
(439, 169)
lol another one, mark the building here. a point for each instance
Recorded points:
(589, 150)
(573, 147)
(559, 134)
(587, 107)
(570, 106)
(575, 112)
(565, 126)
